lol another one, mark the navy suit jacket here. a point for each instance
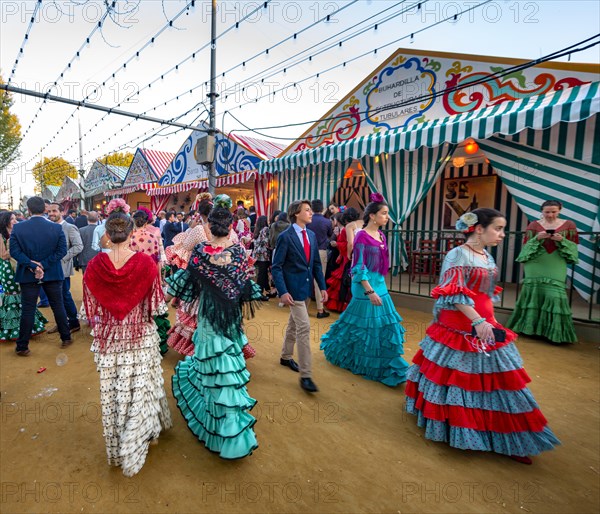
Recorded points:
(291, 273)
(38, 239)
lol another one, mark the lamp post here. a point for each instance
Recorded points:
(212, 176)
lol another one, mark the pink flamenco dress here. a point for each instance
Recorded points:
(469, 394)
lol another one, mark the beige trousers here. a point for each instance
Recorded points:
(323, 256)
(298, 332)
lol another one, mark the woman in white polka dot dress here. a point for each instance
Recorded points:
(125, 346)
(10, 294)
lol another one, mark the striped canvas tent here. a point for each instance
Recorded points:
(405, 183)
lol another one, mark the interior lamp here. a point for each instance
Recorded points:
(458, 162)
(471, 148)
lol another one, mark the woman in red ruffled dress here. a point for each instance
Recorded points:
(339, 283)
(467, 384)
(121, 295)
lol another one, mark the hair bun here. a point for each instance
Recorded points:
(223, 201)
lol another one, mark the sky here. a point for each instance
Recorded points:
(518, 29)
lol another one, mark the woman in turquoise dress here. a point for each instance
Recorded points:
(210, 386)
(542, 308)
(368, 337)
(10, 293)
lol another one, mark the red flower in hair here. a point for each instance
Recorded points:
(377, 198)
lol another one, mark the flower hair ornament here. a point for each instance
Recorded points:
(118, 205)
(223, 201)
(148, 212)
(342, 208)
(376, 198)
(466, 223)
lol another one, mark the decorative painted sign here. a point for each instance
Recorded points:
(417, 86)
(99, 179)
(230, 158)
(139, 171)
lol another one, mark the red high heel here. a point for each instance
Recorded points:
(522, 460)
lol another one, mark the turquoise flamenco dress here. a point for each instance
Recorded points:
(469, 394)
(368, 339)
(210, 386)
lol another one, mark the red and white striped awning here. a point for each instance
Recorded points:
(261, 147)
(158, 160)
(131, 189)
(222, 181)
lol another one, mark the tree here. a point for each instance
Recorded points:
(52, 171)
(117, 159)
(10, 130)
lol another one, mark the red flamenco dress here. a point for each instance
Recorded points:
(471, 395)
(338, 289)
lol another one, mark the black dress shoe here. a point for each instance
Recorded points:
(323, 314)
(23, 353)
(308, 385)
(291, 363)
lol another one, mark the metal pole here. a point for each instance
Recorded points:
(212, 176)
(108, 110)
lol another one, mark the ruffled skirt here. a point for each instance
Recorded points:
(210, 389)
(368, 340)
(133, 399)
(474, 400)
(543, 309)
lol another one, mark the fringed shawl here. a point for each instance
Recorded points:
(227, 291)
(568, 230)
(370, 253)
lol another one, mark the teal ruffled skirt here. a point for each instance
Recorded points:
(367, 339)
(210, 389)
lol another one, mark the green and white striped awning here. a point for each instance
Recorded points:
(538, 113)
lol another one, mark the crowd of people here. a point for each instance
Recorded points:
(466, 384)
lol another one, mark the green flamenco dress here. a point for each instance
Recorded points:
(542, 308)
(210, 386)
(368, 339)
(10, 306)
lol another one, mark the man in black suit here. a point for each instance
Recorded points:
(252, 217)
(81, 220)
(72, 214)
(296, 264)
(38, 247)
(172, 228)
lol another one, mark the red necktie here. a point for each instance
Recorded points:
(306, 245)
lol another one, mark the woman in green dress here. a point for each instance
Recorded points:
(10, 294)
(542, 308)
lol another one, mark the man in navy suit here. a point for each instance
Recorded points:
(296, 263)
(38, 247)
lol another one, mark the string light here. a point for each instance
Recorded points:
(20, 53)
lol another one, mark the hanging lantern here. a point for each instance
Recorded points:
(349, 173)
(458, 162)
(471, 148)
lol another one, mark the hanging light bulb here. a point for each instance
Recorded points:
(471, 147)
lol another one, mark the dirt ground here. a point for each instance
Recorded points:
(349, 448)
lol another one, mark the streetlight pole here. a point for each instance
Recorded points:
(212, 176)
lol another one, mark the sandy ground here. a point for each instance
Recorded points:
(349, 448)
